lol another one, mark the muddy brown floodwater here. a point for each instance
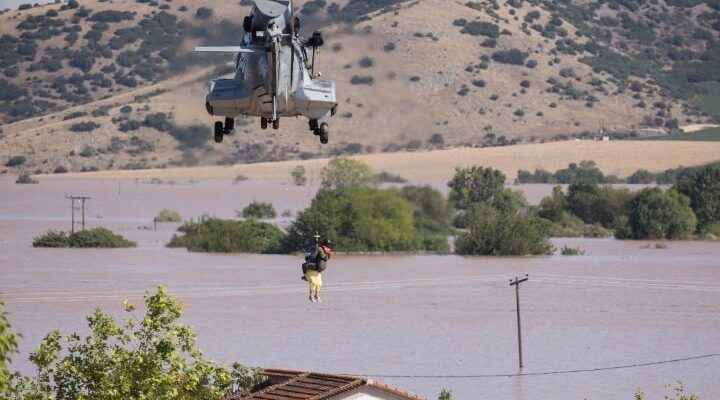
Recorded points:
(622, 303)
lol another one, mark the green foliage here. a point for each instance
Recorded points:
(641, 176)
(150, 356)
(259, 210)
(477, 28)
(431, 216)
(8, 346)
(655, 214)
(159, 121)
(25, 178)
(503, 233)
(554, 208)
(192, 136)
(386, 177)
(204, 13)
(344, 173)
(599, 205)
(703, 189)
(298, 176)
(166, 215)
(357, 219)
(9, 91)
(228, 236)
(678, 393)
(98, 238)
(479, 185)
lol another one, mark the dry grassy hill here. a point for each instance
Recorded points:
(113, 84)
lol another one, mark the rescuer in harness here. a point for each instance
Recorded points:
(315, 263)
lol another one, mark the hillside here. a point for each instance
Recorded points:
(113, 84)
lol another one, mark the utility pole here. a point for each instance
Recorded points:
(517, 283)
(80, 208)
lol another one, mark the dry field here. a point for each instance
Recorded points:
(618, 158)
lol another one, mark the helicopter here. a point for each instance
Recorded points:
(274, 74)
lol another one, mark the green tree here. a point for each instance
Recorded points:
(655, 214)
(445, 394)
(344, 173)
(604, 205)
(259, 210)
(298, 176)
(361, 219)
(502, 233)
(703, 189)
(151, 356)
(474, 185)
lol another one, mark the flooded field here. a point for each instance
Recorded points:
(420, 322)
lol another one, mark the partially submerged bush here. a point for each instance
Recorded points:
(259, 210)
(655, 214)
(571, 251)
(98, 237)
(166, 215)
(298, 176)
(25, 178)
(228, 236)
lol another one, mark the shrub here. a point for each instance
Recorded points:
(602, 205)
(204, 13)
(88, 151)
(641, 176)
(9, 91)
(499, 233)
(362, 80)
(191, 136)
(703, 189)
(92, 238)
(16, 161)
(87, 126)
(158, 121)
(60, 170)
(386, 177)
(357, 219)
(166, 215)
(259, 210)
(477, 28)
(25, 178)
(228, 236)
(437, 140)
(431, 216)
(512, 56)
(366, 62)
(298, 176)
(655, 214)
(571, 251)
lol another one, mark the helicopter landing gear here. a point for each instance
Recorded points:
(219, 132)
(263, 123)
(322, 130)
(324, 133)
(222, 130)
(276, 124)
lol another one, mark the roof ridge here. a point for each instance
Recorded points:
(300, 375)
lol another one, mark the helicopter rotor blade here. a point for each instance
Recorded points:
(230, 49)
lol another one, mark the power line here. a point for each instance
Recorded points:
(561, 372)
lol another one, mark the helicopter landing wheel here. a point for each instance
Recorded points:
(324, 133)
(263, 123)
(276, 124)
(219, 132)
(314, 126)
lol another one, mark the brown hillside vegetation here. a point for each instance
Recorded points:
(113, 84)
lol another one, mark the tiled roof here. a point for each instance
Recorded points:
(301, 385)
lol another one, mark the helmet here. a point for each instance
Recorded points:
(327, 242)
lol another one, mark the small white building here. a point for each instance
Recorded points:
(300, 385)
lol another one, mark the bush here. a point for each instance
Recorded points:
(357, 219)
(386, 177)
(655, 214)
(228, 236)
(298, 176)
(703, 189)
(362, 80)
(16, 161)
(500, 233)
(259, 210)
(512, 56)
(88, 151)
(599, 205)
(166, 215)
(366, 62)
(478, 185)
(60, 169)
(25, 178)
(571, 251)
(93, 238)
(477, 28)
(204, 13)
(431, 216)
(191, 136)
(87, 126)
(641, 176)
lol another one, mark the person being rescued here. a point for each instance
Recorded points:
(315, 263)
